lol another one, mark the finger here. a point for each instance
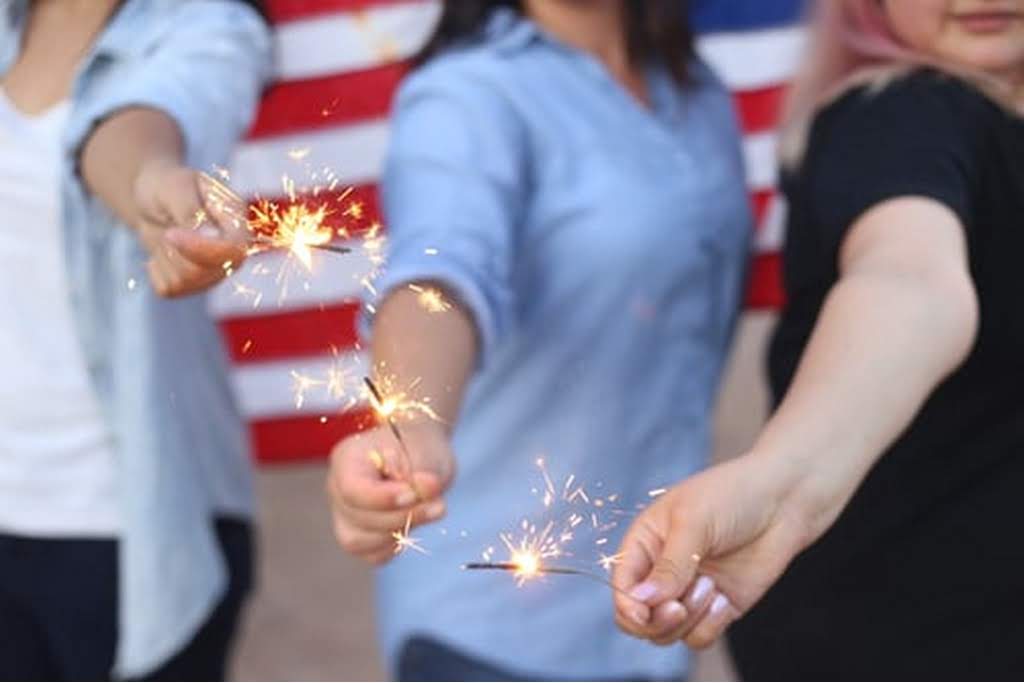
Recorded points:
(179, 197)
(206, 251)
(357, 483)
(182, 277)
(719, 615)
(226, 209)
(638, 553)
(667, 621)
(387, 522)
(676, 566)
(428, 485)
(697, 601)
(162, 275)
(628, 625)
(156, 277)
(360, 542)
(380, 558)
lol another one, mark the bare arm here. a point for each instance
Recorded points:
(134, 161)
(121, 149)
(437, 350)
(902, 316)
(168, 114)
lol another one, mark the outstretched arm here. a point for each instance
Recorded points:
(904, 307)
(178, 108)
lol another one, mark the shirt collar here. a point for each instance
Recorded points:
(509, 31)
(12, 14)
(118, 39)
(121, 36)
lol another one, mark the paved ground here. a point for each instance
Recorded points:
(313, 618)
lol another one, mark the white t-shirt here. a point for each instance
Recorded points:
(57, 474)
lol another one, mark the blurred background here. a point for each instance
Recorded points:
(338, 63)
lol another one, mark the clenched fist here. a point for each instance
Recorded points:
(373, 495)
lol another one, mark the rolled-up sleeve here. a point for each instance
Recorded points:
(205, 68)
(453, 195)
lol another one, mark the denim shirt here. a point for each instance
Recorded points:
(601, 248)
(158, 366)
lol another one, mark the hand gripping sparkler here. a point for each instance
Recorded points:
(382, 408)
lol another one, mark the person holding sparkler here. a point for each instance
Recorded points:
(565, 178)
(124, 482)
(874, 527)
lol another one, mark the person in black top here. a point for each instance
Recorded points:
(876, 527)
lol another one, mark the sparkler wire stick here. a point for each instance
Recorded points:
(263, 241)
(331, 248)
(564, 571)
(378, 400)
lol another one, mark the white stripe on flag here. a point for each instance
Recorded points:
(351, 41)
(268, 389)
(772, 234)
(759, 155)
(751, 60)
(255, 287)
(355, 153)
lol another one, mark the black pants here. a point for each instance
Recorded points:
(426, 659)
(58, 610)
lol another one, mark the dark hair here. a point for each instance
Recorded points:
(258, 5)
(656, 30)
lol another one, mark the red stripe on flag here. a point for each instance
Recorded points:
(329, 101)
(760, 201)
(357, 208)
(305, 332)
(766, 291)
(340, 99)
(759, 109)
(291, 439)
(281, 11)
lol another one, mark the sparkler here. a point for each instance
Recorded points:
(296, 227)
(533, 548)
(403, 541)
(530, 567)
(386, 408)
(432, 300)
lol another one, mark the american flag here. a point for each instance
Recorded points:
(338, 63)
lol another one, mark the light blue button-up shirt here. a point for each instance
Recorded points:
(601, 248)
(158, 366)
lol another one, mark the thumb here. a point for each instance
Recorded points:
(675, 568)
(205, 248)
(226, 209)
(433, 474)
(428, 485)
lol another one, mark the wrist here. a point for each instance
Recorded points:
(805, 492)
(416, 421)
(151, 176)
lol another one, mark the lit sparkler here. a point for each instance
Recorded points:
(432, 300)
(537, 550)
(530, 567)
(338, 383)
(403, 541)
(296, 227)
(386, 409)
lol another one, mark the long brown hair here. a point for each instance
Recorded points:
(656, 30)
